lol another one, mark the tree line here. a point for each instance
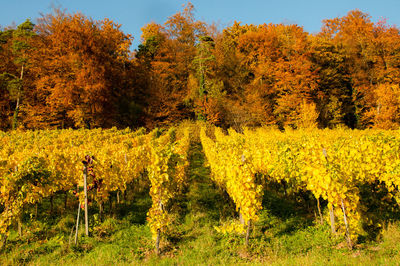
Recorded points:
(70, 70)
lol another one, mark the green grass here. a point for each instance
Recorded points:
(285, 234)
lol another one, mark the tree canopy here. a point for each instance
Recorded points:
(70, 70)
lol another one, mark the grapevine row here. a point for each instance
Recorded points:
(332, 165)
(36, 164)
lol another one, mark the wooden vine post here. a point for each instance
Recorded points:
(85, 171)
(161, 206)
(319, 212)
(248, 232)
(332, 218)
(20, 225)
(65, 200)
(331, 213)
(51, 204)
(241, 217)
(158, 242)
(36, 210)
(101, 211)
(4, 236)
(88, 160)
(3, 241)
(19, 218)
(77, 219)
(348, 238)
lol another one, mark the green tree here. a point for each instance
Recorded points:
(206, 88)
(21, 48)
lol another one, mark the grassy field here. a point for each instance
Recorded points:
(286, 234)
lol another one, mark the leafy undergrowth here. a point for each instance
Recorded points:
(284, 235)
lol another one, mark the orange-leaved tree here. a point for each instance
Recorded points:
(279, 59)
(371, 58)
(168, 52)
(79, 68)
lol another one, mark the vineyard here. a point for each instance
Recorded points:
(342, 183)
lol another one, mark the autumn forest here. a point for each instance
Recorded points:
(70, 71)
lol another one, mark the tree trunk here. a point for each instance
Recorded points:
(16, 111)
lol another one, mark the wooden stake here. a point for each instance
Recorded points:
(319, 212)
(331, 213)
(19, 216)
(110, 204)
(3, 241)
(158, 242)
(70, 235)
(101, 211)
(77, 223)
(51, 204)
(20, 222)
(241, 217)
(124, 194)
(161, 206)
(86, 200)
(332, 218)
(350, 245)
(4, 236)
(65, 200)
(36, 210)
(248, 233)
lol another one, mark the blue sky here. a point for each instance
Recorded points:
(134, 14)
